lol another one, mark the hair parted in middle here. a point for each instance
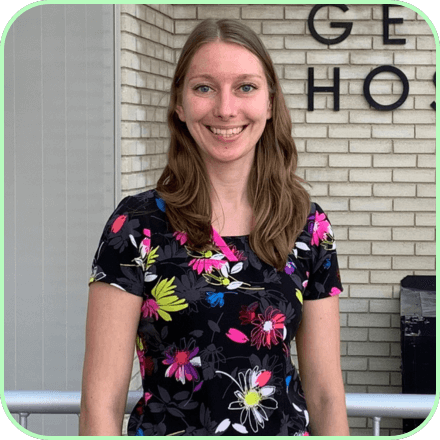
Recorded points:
(279, 202)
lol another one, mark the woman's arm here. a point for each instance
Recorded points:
(112, 320)
(318, 349)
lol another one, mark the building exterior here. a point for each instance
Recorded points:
(75, 145)
(372, 170)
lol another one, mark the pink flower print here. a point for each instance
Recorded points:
(237, 336)
(320, 228)
(247, 313)
(335, 291)
(146, 243)
(238, 254)
(181, 364)
(181, 237)
(306, 281)
(146, 364)
(263, 378)
(269, 328)
(163, 301)
(118, 223)
(147, 397)
(150, 308)
(206, 264)
(141, 357)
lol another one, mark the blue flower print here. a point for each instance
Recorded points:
(288, 379)
(139, 432)
(160, 204)
(327, 263)
(216, 298)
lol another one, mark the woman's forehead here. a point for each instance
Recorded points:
(224, 58)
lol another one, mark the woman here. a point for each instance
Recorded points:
(215, 272)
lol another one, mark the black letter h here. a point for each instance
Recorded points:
(312, 89)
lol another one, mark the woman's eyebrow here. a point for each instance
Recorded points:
(239, 77)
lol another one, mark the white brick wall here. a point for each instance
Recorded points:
(372, 171)
(147, 66)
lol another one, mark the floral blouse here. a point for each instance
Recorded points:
(215, 328)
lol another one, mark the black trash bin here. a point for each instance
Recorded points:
(417, 325)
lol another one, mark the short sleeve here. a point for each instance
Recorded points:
(324, 277)
(118, 259)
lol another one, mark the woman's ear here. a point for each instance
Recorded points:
(180, 112)
(269, 108)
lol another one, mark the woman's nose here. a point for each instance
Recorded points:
(226, 105)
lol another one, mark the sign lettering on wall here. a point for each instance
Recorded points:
(335, 89)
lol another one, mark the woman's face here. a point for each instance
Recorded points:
(225, 102)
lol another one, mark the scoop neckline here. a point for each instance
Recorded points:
(233, 236)
(229, 237)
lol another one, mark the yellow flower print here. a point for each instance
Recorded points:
(139, 344)
(299, 295)
(164, 301)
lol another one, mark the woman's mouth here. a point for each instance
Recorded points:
(227, 133)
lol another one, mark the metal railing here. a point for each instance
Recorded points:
(375, 406)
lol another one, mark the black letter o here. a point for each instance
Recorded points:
(370, 77)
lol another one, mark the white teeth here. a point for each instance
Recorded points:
(227, 133)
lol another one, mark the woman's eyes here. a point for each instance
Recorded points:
(202, 89)
(249, 87)
(246, 88)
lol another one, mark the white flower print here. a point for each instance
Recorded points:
(227, 271)
(223, 426)
(95, 275)
(147, 255)
(226, 280)
(299, 245)
(253, 398)
(306, 413)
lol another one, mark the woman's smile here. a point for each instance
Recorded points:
(227, 134)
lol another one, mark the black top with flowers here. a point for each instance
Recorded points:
(215, 327)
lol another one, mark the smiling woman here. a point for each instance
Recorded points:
(224, 261)
(225, 80)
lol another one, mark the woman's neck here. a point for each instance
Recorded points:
(231, 209)
(229, 185)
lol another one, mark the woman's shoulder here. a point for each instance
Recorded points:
(142, 210)
(317, 220)
(146, 200)
(315, 208)
(316, 215)
(318, 229)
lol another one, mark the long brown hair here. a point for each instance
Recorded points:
(279, 202)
